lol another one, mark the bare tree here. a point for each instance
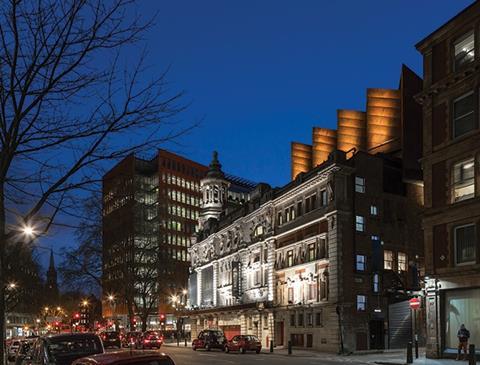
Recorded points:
(67, 103)
(81, 268)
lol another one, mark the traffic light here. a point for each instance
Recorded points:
(77, 315)
(162, 316)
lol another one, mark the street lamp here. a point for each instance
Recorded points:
(12, 285)
(85, 303)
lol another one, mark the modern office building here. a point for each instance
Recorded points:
(451, 152)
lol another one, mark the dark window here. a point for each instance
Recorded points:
(318, 319)
(465, 242)
(292, 320)
(464, 114)
(299, 209)
(300, 319)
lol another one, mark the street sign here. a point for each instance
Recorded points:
(415, 303)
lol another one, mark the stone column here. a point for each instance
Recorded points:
(199, 287)
(215, 282)
(271, 269)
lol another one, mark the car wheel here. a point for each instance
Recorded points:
(207, 347)
(257, 351)
(242, 350)
(227, 350)
(194, 348)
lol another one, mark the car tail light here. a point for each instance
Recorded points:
(161, 338)
(146, 340)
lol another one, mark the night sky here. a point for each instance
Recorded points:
(260, 74)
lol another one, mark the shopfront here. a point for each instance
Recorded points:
(461, 306)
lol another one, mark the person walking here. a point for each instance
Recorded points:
(463, 335)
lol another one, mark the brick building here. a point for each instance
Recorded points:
(451, 147)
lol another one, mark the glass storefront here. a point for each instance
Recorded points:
(462, 307)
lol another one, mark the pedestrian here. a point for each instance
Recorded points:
(463, 336)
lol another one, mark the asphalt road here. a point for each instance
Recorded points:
(186, 356)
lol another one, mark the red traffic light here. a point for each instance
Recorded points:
(77, 315)
(162, 316)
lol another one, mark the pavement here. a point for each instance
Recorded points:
(185, 355)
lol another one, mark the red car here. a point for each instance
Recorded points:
(244, 343)
(127, 358)
(151, 339)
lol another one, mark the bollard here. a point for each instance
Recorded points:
(185, 341)
(416, 349)
(471, 355)
(289, 347)
(271, 346)
(409, 353)
(178, 340)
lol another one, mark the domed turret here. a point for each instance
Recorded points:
(214, 188)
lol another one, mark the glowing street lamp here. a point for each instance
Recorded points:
(85, 303)
(28, 230)
(12, 285)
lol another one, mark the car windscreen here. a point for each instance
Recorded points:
(111, 335)
(58, 347)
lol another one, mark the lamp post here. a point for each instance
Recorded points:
(111, 301)
(27, 231)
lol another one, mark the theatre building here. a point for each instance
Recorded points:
(451, 146)
(319, 262)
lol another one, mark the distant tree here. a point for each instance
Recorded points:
(81, 268)
(67, 104)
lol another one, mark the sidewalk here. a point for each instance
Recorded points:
(400, 358)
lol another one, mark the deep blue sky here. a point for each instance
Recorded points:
(262, 73)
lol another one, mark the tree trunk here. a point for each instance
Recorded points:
(3, 241)
(144, 322)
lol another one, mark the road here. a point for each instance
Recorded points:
(186, 356)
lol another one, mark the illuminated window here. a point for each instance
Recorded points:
(361, 263)
(361, 303)
(290, 258)
(376, 283)
(463, 180)
(360, 223)
(312, 291)
(373, 210)
(310, 319)
(311, 252)
(464, 50)
(290, 295)
(465, 242)
(359, 184)
(464, 114)
(323, 198)
(388, 260)
(402, 261)
(280, 218)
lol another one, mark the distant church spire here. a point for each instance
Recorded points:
(52, 285)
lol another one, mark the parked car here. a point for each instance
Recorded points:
(63, 349)
(209, 339)
(12, 349)
(244, 343)
(127, 358)
(151, 339)
(24, 351)
(111, 338)
(131, 339)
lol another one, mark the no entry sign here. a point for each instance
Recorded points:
(414, 303)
